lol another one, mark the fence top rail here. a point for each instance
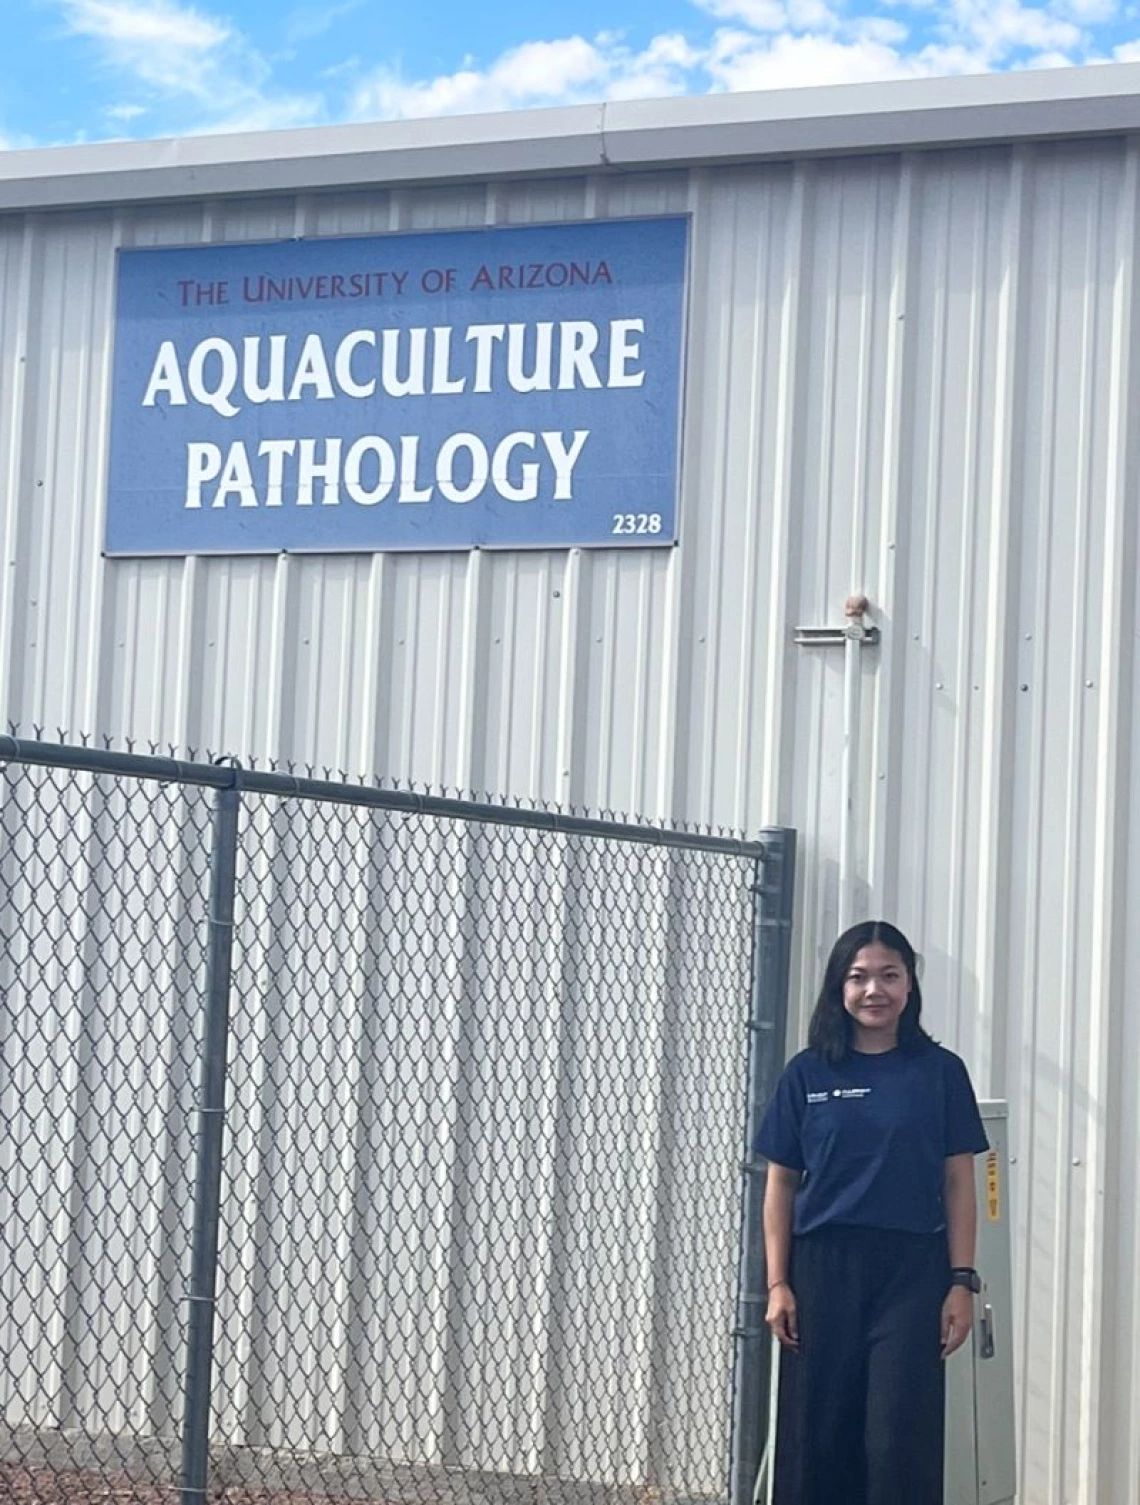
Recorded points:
(228, 773)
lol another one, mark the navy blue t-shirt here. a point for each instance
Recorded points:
(871, 1135)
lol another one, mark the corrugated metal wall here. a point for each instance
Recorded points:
(911, 375)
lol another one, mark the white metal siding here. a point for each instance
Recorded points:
(912, 374)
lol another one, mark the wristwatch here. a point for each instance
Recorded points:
(963, 1275)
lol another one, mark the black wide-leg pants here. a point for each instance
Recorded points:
(862, 1404)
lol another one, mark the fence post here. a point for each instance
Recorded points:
(211, 1127)
(767, 1025)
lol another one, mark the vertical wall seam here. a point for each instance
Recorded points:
(1112, 758)
(889, 707)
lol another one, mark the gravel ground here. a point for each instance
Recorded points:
(32, 1486)
(35, 1486)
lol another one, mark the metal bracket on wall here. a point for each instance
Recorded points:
(836, 637)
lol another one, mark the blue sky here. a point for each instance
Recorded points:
(88, 70)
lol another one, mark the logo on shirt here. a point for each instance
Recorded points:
(841, 1092)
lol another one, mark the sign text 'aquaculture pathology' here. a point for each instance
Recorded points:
(512, 388)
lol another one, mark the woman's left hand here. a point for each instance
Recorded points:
(957, 1319)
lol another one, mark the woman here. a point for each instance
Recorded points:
(870, 1221)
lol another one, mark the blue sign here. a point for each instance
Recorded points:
(506, 388)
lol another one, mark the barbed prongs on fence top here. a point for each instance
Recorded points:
(225, 771)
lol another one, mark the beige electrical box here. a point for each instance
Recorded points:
(979, 1377)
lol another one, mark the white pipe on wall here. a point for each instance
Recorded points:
(854, 610)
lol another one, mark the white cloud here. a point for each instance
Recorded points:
(947, 59)
(278, 113)
(1000, 27)
(761, 44)
(1046, 60)
(575, 69)
(15, 143)
(789, 62)
(879, 29)
(567, 71)
(760, 15)
(661, 70)
(1089, 11)
(162, 44)
(774, 15)
(185, 67)
(535, 73)
(309, 21)
(181, 57)
(811, 15)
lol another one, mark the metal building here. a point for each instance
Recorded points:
(912, 370)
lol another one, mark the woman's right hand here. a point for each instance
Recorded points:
(781, 1316)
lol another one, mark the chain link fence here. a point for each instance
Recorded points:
(360, 1145)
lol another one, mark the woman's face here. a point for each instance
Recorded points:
(875, 992)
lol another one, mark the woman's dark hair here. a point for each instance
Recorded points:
(829, 1032)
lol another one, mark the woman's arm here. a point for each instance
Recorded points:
(961, 1203)
(960, 1200)
(779, 1195)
